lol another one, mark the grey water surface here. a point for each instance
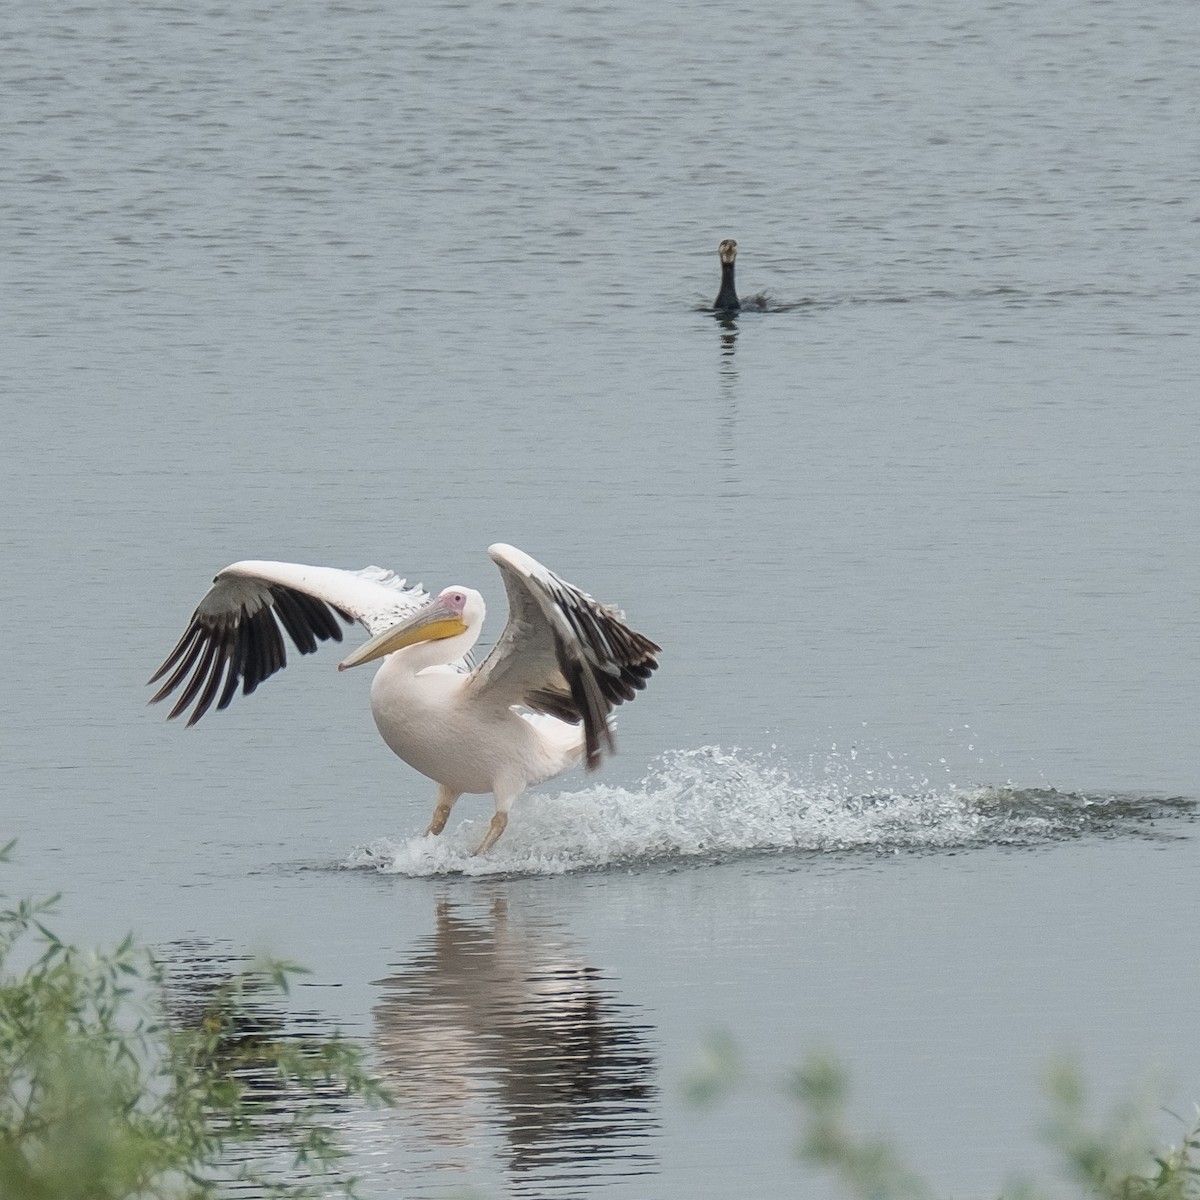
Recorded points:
(346, 283)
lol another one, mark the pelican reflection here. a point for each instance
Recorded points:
(496, 1031)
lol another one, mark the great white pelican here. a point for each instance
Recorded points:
(539, 703)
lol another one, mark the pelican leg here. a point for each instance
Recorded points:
(498, 823)
(441, 814)
(497, 826)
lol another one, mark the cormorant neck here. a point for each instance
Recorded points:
(727, 297)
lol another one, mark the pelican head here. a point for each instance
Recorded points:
(454, 611)
(727, 250)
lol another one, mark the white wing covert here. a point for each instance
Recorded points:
(562, 652)
(234, 635)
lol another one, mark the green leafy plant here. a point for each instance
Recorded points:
(867, 1167)
(102, 1097)
(1113, 1160)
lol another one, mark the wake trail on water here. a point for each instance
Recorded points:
(710, 803)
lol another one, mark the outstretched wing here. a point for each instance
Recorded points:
(234, 634)
(561, 652)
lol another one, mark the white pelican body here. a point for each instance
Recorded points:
(419, 713)
(538, 704)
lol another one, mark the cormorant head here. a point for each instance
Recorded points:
(727, 250)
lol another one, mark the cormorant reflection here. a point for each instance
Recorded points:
(729, 335)
(495, 1023)
(731, 484)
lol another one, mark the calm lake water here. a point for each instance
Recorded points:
(343, 283)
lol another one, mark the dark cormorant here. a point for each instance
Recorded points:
(727, 298)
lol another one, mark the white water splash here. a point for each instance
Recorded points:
(710, 803)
